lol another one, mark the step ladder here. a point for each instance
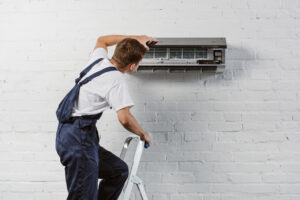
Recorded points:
(133, 178)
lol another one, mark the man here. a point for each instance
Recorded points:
(101, 86)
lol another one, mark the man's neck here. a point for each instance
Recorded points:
(116, 64)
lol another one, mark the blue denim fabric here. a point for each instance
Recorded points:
(85, 161)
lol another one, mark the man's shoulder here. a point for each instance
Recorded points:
(98, 53)
(112, 76)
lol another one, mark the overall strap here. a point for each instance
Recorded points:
(107, 69)
(87, 69)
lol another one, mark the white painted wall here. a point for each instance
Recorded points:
(215, 137)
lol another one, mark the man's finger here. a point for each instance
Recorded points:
(150, 43)
(154, 39)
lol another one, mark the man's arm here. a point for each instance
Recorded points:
(129, 122)
(110, 40)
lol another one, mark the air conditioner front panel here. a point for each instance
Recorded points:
(186, 53)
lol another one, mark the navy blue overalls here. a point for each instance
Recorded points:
(85, 161)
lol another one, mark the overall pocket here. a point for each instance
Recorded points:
(87, 129)
(88, 143)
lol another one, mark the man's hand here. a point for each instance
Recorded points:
(145, 137)
(143, 39)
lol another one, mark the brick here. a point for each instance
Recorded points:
(227, 136)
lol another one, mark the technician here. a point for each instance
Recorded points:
(100, 86)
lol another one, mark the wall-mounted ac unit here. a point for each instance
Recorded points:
(173, 54)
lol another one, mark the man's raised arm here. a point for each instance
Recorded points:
(110, 40)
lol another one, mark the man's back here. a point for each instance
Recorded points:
(109, 90)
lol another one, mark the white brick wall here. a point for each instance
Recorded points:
(229, 136)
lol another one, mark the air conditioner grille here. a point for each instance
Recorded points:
(176, 53)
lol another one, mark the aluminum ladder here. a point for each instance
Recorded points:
(133, 178)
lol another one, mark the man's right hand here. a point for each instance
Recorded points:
(145, 137)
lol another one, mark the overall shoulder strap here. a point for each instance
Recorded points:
(87, 69)
(107, 69)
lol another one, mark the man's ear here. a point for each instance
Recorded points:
(131, 66)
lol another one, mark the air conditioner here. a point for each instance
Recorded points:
(183, 54)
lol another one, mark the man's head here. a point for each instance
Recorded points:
(128, 54)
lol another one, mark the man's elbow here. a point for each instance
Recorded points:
(124, 121)
(124, 116)
(101, 43)
(101, 39)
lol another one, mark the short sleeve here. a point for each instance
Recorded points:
(118, 96)
(98, 53)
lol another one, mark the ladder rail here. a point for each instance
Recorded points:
(133, 179)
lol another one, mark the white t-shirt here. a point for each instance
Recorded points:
(109, 90)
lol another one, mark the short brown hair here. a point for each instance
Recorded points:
(128, 51)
